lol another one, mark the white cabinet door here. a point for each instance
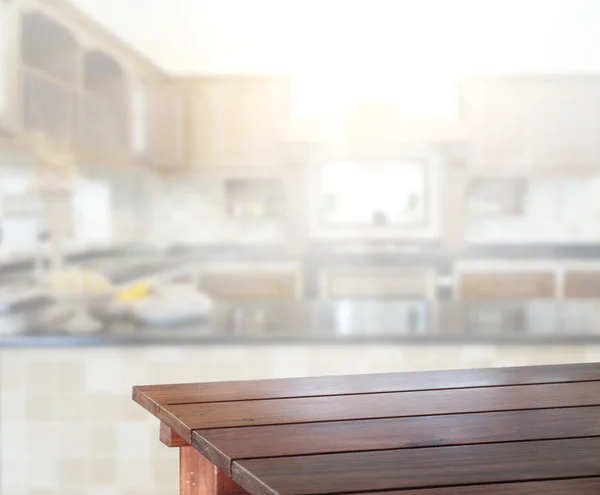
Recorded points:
(166, 122)
(4, 60)
(139, 118)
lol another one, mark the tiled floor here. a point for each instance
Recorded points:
(69, 427)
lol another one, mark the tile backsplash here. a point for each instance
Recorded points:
(556, 210)
(116, 206)
(195, 211)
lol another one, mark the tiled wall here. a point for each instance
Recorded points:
(69, 427)
(139, 207)
(556, 211)
(195, 211)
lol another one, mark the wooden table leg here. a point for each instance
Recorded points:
(199, 476)
(170, 438)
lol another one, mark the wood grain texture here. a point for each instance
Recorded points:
(420, 468)
(222, 446)
(585, 486)
(170, 438)
(199, 476)
(151, 397)
(145, 400)
(189, 417)
(506, 431)
(247, 286)
(582, 284)
(506, 285)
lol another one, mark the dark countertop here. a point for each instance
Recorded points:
(386, 251)
(376, 322)
(332, 251)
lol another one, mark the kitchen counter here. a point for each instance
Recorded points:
(360, 321)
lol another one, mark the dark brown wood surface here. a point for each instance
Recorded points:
(582, 486)
(170, 438)
(185, 418)
(420, 468)
(151, 397)
(223, 446)
(522, 431)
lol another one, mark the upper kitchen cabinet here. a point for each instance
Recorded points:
(236, 123)
(139, 114)
(166, 115)
(63, 76)
(548, 123)
(49, 77)
(104, 113)
(8, 65)
(379, 128)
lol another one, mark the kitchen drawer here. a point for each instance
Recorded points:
(249, 285)
(507, 285)
(582, 284)
(373, 283)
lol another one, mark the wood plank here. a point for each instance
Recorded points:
(420, 468)
(199, 476)
(582, 284)
(581, 486)
(151, 397)
(223, 446)
(170, 438)
(507, 285)
(248, 286)
(185, 418)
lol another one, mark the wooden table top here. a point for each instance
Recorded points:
(498, 431)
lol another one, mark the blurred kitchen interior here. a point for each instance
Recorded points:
(235, 189)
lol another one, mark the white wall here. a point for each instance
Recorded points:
(556, 211)
(92, 212)
(18, 233)
(195, 211)
(108, 206)
(129, 204)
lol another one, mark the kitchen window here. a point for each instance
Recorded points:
(374, 194)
